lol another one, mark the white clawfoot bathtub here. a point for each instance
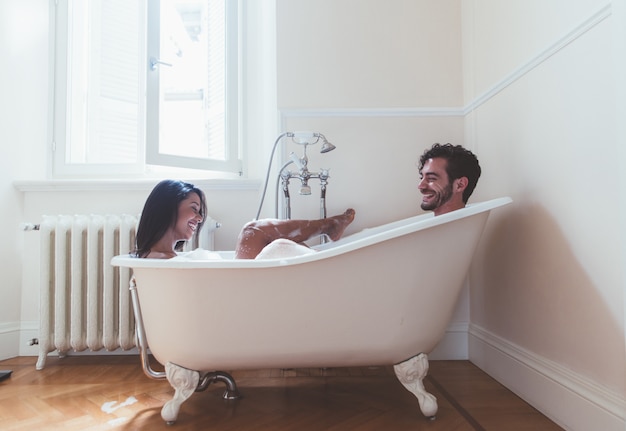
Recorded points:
(382, 296)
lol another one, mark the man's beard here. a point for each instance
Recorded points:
(440, 199)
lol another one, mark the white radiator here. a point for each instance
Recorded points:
(84, 301)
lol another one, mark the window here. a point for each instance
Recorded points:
(145, 83)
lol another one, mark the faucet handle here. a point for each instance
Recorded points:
(297, 161)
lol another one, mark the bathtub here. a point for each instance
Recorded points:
(382, 296)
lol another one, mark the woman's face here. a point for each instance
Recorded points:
(188, 217)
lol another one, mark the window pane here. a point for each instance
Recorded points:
(192, 79)
(103, 85)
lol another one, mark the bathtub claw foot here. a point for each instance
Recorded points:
(184, 382)
(411, 374)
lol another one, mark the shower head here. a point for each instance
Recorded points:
(326, 146)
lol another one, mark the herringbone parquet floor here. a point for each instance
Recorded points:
(90, 393)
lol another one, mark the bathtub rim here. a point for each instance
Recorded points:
(356, 240)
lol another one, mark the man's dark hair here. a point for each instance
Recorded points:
(461, 163)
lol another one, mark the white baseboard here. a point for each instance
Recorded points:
(453, 346)
(28, 332)
(9, 339)
(571, 400)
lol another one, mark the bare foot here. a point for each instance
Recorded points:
(340, 223)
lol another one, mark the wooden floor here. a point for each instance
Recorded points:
(112, 393)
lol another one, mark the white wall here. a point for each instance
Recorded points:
(354, 54)
(23, 110)
(547, 287)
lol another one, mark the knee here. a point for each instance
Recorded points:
(250, 229)
(251, 225)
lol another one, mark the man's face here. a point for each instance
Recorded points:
(434, 185)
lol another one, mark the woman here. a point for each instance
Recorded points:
(175, 210)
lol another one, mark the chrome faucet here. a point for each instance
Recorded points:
(303, 174)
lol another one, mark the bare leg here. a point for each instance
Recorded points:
(257, 234)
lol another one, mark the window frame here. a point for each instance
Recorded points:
(149, 162)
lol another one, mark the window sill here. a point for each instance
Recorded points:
(128, 185)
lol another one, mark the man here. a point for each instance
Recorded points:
(448, 176)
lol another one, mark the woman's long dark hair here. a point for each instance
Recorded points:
(160, 212)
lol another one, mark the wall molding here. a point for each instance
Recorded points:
(500, 86)
(29, 329)
(9, 335)
(7, 327)
(540, 58)
(371, 112)
(571, 400)
(103, 185)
